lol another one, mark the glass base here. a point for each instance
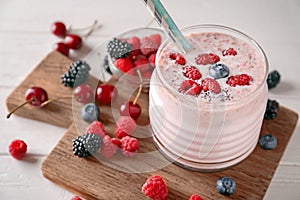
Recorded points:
(198, 166)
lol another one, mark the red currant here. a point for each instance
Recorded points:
(73, 41)
(62, 48)
(83, 93)
(36, 96)
(130, 109)
(106, 93)
(59, 29)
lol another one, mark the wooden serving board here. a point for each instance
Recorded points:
(92, 179)
(47, 75)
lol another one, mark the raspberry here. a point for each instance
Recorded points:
(125, 126)
(156, 38)
(229, 52)
(116, 141)
(129, 145)
(155, 188)
(242, 79)
(207, 58)
(96, 128)
(135, 42)
(123, 64)
(192, 72)
(209, 84)
(148, 46)
(190, 87)
(120, 134)
(179, 59)
(108, 149)
(152, 59)
(76, 198)
(195, 197)
(17, 149)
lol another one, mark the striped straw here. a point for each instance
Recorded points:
(164, 19)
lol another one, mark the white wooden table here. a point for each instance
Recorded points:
(25, 38)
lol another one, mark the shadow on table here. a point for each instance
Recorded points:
(31, 158)
(283, 88)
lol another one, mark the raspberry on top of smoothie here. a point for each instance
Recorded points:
(225, 67)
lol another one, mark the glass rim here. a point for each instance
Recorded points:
(118, 72)
(249, 39)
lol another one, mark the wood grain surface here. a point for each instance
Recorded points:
(92, 178)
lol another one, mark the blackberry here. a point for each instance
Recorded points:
(273, 79)
(106, 65)
(272, 109)
(118, 49)
(86, 144)
(77, 74)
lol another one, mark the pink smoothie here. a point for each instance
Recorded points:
(209, 131)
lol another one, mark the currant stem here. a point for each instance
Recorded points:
(140, 87)
(92, 28)
(69, 29)
(17, 108)
(51, 100)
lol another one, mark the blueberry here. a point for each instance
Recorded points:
(273, 79)
(268, 141)
(226, 185)
(90, 112)
(218, 71)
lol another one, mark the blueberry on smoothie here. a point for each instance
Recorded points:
(268, 141)
(218, 71)
(226, 185)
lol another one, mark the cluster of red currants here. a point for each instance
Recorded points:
(71, 40)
